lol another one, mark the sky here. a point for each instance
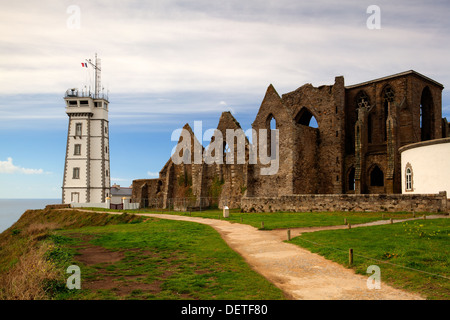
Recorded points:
(172, 62)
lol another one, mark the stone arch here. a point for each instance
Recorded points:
(306, 118)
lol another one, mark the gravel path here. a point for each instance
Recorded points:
(298, 272)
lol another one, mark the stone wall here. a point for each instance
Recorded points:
(347, 202)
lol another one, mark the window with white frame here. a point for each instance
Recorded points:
(408, 178)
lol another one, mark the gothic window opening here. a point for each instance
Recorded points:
(306, 118)
(362, 100)
(271, 125)
(376, 177)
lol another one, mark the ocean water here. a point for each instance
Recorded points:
(12, 209)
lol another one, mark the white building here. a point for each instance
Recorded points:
(426, 167)
(86, 170)
(118, 193)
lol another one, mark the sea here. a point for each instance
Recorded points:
(12, 209)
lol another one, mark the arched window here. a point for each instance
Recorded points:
(362, 100)
(306, 118)
(271, 124)
(409, 177)
(388, 97)
(376, 177)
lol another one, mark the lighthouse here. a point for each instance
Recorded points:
(86, 169)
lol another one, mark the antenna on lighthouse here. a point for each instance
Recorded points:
(98, 75)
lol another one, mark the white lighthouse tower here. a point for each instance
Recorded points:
(86, 170)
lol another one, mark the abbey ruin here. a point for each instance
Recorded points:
(353, 150)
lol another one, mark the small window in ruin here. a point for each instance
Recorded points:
(306, 118)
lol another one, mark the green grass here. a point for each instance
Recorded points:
(163, 259)
(422, 245)
(279, 220)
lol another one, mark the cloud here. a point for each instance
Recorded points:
(9, 168)
(153, 174)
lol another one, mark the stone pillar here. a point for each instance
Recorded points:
(360, 150)
(391, 153)
(108, 203)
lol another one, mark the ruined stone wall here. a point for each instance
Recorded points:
(326, 104)
(280, 182)
(315, 160)
(404, 110)
(347, 202)
(145, 189)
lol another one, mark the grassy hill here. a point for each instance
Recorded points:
(122, 257)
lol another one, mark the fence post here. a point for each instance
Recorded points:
(349, 226)
(392, 221)
(345, 220)
(350, 256)
(289, 234)
(262, 224)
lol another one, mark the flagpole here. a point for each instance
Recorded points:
(97, 70)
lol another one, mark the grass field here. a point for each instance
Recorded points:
(123, 257)
(278, 220)
(163, 259)
(412, 255)
(148, 258)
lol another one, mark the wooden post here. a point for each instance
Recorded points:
(349, 226)
(345, 220)
(392, 221)
(424, 217)
(350, 256)
(262, 224)
(241, 219)
(289, 234)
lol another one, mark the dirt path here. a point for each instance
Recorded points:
(298, 272)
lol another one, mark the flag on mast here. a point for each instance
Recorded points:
(84, 65)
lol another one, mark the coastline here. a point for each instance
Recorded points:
(12, 209)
